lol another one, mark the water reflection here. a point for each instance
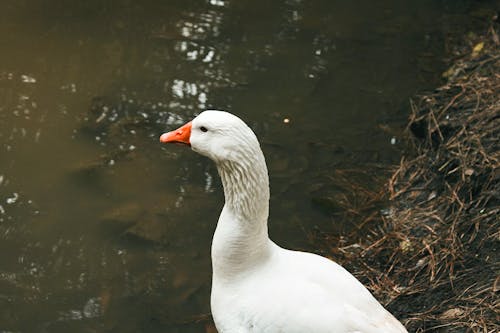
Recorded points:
(101, 228)
(201, 48)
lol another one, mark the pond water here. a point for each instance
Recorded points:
(102, 229)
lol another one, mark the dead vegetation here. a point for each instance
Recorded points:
(432, 257)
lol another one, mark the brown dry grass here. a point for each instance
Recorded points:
(433, 256)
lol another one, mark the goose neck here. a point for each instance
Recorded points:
(241, 242)
(246, 187)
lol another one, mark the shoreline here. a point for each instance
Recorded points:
(432, 256)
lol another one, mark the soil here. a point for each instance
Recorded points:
(432, 257)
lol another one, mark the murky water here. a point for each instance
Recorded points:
(104, 230)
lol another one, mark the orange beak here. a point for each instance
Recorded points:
(180, 135)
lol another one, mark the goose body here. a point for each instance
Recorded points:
(258, 286)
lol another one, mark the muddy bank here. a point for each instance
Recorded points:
(432, 256)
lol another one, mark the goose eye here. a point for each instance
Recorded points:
(203, 129)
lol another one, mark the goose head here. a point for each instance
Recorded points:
(218, 135)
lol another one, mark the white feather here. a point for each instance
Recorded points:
(258, 286)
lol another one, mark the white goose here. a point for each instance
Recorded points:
(258, 286)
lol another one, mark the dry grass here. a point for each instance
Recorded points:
(433, 256)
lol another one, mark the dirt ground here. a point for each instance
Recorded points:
(432, 256)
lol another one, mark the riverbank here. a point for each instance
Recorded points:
(432, 256)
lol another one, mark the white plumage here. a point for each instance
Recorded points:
(258, 286)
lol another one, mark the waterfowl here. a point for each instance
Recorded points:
(258, 286)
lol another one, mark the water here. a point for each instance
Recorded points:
(103, 229)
